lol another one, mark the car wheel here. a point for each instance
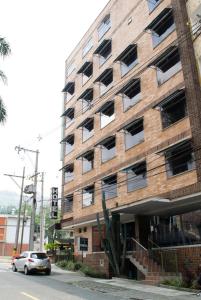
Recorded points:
(14, 268)
(48, 272)
(26, 270)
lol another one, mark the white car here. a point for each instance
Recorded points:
(32, 261)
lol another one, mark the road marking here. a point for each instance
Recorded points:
(29, 296)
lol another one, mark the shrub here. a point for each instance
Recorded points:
(177, 282)
(78, 265)
(91, 272)
(62, 264)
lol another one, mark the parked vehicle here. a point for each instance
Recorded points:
(32, 261)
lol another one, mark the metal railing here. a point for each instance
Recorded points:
(165, 258)
(155, 258)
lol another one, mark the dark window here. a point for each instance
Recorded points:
(69, 115)
(152, 4)
(178, 230)
(108, 149)
(134, 133)
(69, 143)
(136, 176)
(167, 64)
(104, 26)
(162, 26)
(104, 50)
(68, 203)
(87, 98)
(105, 80)
(69, 173)
(86, 70)
(88, 196)
(131, 93)
(38, 255)
(87, 128)
(88, 161)
(128, 59)
(180, 158)
(173, 108)
(109, 187)
(83, 244)
(107, 113)
(69, 90)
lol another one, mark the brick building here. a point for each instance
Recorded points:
(131, 133)
(194, 12)
(8, 225)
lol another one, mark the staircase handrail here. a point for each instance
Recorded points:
(134, 240)
(154, 244)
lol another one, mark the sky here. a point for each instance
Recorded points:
(41, 33)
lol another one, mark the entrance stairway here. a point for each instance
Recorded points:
(153, 271)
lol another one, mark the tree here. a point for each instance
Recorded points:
(4, 51)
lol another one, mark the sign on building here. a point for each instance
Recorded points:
(54, 203)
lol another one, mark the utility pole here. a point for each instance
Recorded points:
(20, 204)
(33, 213)
(42, 214)
(23, 223)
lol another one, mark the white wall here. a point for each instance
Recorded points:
(11, 230)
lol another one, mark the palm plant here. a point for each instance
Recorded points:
(4, 51)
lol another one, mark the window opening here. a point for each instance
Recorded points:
(69, 90)
(68, 203)
(134, 133)
(88, 196)
(104, 26)
(136, 176)
(69, 173)
(180, 158)
(167, 65)
(131, 93)
(162, 26)
(104, 51)
(87, 71)
(109, 187)
(108, 149)
(105, 80)
(128, 59)
(88, 161)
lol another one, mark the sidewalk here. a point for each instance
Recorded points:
(119, 286)
(5, 259)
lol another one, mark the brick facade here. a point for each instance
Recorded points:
(129, 20)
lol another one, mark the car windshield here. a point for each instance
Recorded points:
(38, 255)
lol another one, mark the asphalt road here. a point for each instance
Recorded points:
(72, 286)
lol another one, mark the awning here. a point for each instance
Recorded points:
(85, 154)
(105, 141)
(103, 75)
(86, 94)
(67, 138)
(105, 106)
(130, 123)
(163, 56)
(129, 84)
(159, 19)
(84, 67)
(102, 46)
(171, 147)
(145, 207)
(126, 51)
(86, 121)
(69, 111)
(161, 206)
(68, 86)
(176, 94)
